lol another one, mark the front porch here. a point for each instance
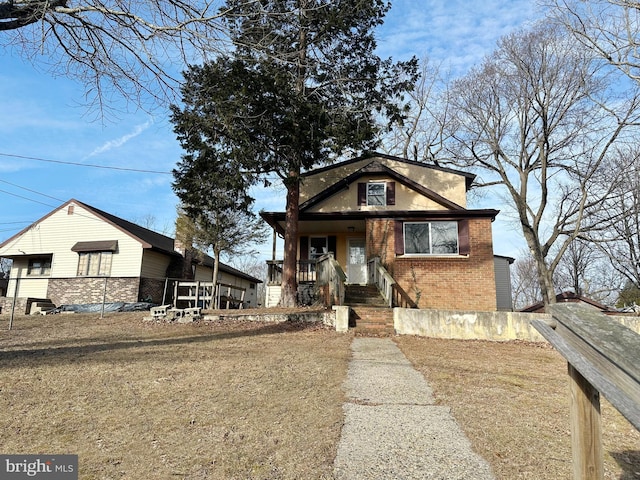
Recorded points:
(323, 281)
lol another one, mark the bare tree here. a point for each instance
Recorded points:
(137, 48)
(5, 267)
(611, 28)
(539, 119)
(524, 285)
(421, 136)
(586, 271)
(619, 216)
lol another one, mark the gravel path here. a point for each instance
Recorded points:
(392, 428)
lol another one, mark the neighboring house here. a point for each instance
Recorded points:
(411, 216)
(79, 254)
(573, 298)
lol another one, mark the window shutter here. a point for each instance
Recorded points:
(332, 242)
(399, 237)
(391, 193)
(304, 248)
(464, 245)
(362, 194)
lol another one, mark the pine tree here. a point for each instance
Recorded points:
(302, 87)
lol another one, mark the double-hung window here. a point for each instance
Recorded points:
(40, 266)
(95, 257)
(431, 238)
(94, 264)
(376, 193)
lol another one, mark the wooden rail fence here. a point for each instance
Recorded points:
(603, 357)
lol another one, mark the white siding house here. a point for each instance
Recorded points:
(80, 254)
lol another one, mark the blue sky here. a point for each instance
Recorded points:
(43, 117)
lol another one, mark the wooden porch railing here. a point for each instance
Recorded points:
(603, 357)
(330, 281)
(393, 294)
(305, 271)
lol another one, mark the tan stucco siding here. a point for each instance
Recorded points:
(154, 264)
(347, 200)
(447, 184)
(59, 232)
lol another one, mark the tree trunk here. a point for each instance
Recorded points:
(545, 275)
(289, 280)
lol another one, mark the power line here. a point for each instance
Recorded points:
(77, 164)
(32, 191)
(26, 198)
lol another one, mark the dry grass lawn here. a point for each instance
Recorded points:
(512, 401)
(138, 400)
(238, 400)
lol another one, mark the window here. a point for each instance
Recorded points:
(376, 193)
(317, 247)
(431, 238)
(94, 264)
(39, 266)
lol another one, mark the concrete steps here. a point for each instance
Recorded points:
(370, 315)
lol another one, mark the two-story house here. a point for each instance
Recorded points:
(410, 217)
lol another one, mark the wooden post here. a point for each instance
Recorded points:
(104, 297)
(15, 298)
(586, 429)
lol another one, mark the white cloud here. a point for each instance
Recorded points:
(118, 142)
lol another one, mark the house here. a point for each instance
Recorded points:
(573, 298)
(409, 217)
(80, 254)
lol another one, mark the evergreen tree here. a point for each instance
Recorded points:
(302, 87)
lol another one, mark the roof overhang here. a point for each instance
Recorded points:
(276, 220)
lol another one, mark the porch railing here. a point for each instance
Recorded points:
(330, 281)
(393, 294)
(305, 271)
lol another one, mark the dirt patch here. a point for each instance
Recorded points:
(512, 401)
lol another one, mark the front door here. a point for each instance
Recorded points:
(357, 263)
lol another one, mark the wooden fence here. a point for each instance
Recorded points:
(200, 294)
(603, 358)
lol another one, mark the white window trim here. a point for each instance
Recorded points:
(384, 194)
(431, 255)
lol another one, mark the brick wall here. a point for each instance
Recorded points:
(455, 283)
(68, 291)
(153, 289)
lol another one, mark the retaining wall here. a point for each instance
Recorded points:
(501, 326)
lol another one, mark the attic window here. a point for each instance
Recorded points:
(376, 193)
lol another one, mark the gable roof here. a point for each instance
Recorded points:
(148, 238)
(469, 177)
(376, 168)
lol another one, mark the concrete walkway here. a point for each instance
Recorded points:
(392, 428)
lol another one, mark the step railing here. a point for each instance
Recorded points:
(330, 280)
(603, 357)
(393, 294)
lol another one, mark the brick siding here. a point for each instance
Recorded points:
(68, 291)
(456, 283)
